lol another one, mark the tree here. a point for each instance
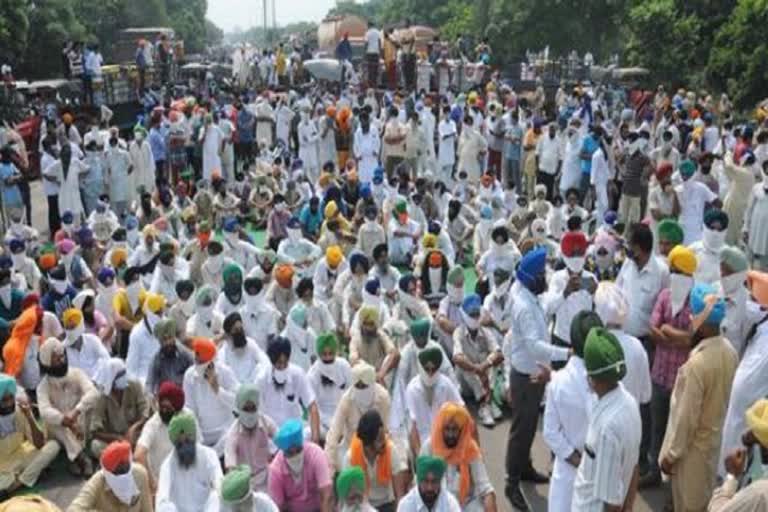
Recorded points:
(738, 61)
(14, 28)
(213, 35)
(51, 24)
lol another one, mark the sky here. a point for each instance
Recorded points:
(228, 14)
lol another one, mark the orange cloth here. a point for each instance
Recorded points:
(284, 275)
(465, 452)
(204, 349)
(383, 461)
(117, 453)
(47, 261)
(16, 346)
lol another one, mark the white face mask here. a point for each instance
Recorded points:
(471, 322)
(680, 287)
(575, 264)
(280, 376)
(187, 306)
(363, 398)
(232, 238)
(603, 261)
(72, 335)
(18, 260)
(429, 381)
(205, 312)
(168, 271)
(248, 419)
(713, 240)
(5, 294)
(133, 289)
(215, 262)
(296, 463)
(121, 382)
(59, 285)
(733, 283)
(294, 235)
(456, 293)
(122, 486)
(201, 368)
(502, 289)
(152, 318)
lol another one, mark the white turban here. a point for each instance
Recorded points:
(611, 304)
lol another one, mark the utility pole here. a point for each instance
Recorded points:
(266, 34)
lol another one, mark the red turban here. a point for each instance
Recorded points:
(31, 299)
(572, 242)
(204, 349)
(664, 171)
(173, 393)
(117, 453)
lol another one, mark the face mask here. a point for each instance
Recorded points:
(248, 419)
(280, 376)
(363, 397)
(426, 379)
(60, 286)
(472, 323)
(186, 453)
(296, 463)
(5, 293)
(215, 262)
(456, 293)
(713, 240)
(201, 368)
(294, 235)
(168, 271)
(121, 382)
(122, 486)
(187, 307)
(575, 264)
(603, 261)
(205, 312)
(152, 318)
(74, 334)
(733, 283)
(666, 146)
(679, 286)
(502, 289)
(232, 238)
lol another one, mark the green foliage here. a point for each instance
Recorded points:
(738, 60)
(14, 29)
(50, 25)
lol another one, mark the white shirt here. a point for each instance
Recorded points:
(213, 410)
(422, 414)
(548, 151)
(372, 41)
(569, 403)
(154, 438)
(610, 453)
(637, 381)
(527, 341)
(142, 348)
(447, 131)
(412, 502)
(285, 403)
(193, 489)
(693, 196)
(91, 353)
(328, 396)
(641, 287)
(564, 308)
(246, 363)
(708, 263)
(259, 324)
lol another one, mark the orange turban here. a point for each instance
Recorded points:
(15, 348)
(117, 453)
(331, 111)
(435, 259)
(204, 349)
(47, 261)
(284, 275)
(119, 257)
(466, 450)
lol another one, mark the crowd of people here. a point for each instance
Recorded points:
(309, 301)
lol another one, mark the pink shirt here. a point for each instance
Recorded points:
(253, 448)
(304, 494)
(99, 322)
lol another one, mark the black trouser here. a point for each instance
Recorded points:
(548, 180)
(524, 406)
(142, 79)
(645, 456)
(160, 176)
(409, 71)
(659, 415)
(26, 198)
(121, 350)
(87, 90)
(54, 221)
(372, 59)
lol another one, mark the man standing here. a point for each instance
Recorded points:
(607, 470)
(549, 158)
(531, 346)
(372, 51)
(698, 405)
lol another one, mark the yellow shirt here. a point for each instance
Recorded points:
(390, 51)
(122, 306)
(17, 445)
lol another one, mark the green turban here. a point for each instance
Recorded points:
(581, 324)
(687, 168)
(420, 327)
(734, 259)
(352, 477)
(716, 215)
(401, 206)
(140, 129)
(670, 231)
(165, 328)
(431, 354)
(236, 484)
(455, 274)
(298, 314)
(246, 393)
(205, 292)
(204, 226)
(326, 340)
(183, 423)
(603, 355)
(232, 271)
(427, 464)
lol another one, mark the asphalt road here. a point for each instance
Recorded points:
(61, 488)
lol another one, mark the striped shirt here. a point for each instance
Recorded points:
(610, 453)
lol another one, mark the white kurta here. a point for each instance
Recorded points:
(246, 363)
(193, 489)
(120, 182)
(143, 165)
(308, 145)
(228, 155)
(446, 133)
(367, 148)
(69, 186)
(471, 145)
(212, 140)
(756, 221)
(213, 410)
(326, 146)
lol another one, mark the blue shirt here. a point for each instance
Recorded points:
(245, 123)
(11, 193)
(311, 222)
(157, 144)
(513, 148)
(589, 145)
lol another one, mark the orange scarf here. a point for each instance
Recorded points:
(16, 346)
(383, 461)
(465, 452)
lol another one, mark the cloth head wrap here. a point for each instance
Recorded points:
(246, 393)
(573, 242)
(284, 275)
(757, 421)
(431, 355)
(454, 275)
(670, 231)
(50, 347)
(365, 373)
(716, 215)
(71, 318)
(290, 435)
(165, 328)
(236, 484)
(466, 450)
(603, 355)
(278, 346)
(531, 265)
(734, 259)
(421, 327)
(472, 304)
(581, 324)
(154, 303)
(427, 464)
(611, 304)
(325, 341)
(683, 259)
(182, 424)
(369, 315)
(204, 349)
(116, 454)
(7, 385)
(351, 478)
(687, 168)
(333, 256)
(172, 392)
(704, 299)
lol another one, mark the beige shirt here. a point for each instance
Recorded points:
(96, 495)
(116, 418)
(58, 397)
(372, 352)
(753, 498)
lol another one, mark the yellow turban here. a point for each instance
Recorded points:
(369, 314)
(325, 179)
(453, 412)
(430, 241)
(29, 503)
(118, 257)
(757, 420)
(333, 256)
(71, 318)
(331, 209)
(154, 302)
(682, 259)
(149, 230)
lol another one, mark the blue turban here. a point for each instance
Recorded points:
(456, 114)
(68, 217)
(290, 435)
(406, 280)
(533, 263)
(610, 217)
(372, 286)
(131, 222)
(297, 164)
(6, 261)
(16, 245)
(294, 223)
(698, 303)
(358, 259)
(365, 190)
(105, 273)
(486, 212)
(378, 175)
(472, 304)
(7, 385)
(434, 227)
(231, 225)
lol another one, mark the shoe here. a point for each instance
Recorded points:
(649, 480)
(517, 498)
(496, 411)
(485, 416)
(533, 476)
